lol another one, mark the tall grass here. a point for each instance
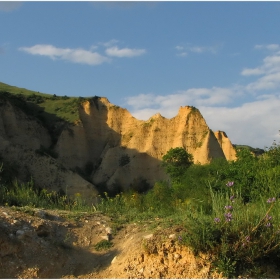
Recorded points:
(26, 194)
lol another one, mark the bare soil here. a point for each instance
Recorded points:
(36, 243)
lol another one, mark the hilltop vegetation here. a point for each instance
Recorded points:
(256, 151)
(47, 107)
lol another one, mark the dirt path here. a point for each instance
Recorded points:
(50, 244)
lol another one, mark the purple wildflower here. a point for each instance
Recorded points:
(232, 198)
(268, 217)
(228, 217)
(268, 225)
(228, 207)
(271, 200)
(217, 220)
(230, 184)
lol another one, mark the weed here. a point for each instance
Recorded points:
(103, 245)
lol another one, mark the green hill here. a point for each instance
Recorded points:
(255, 151)
(44, 106)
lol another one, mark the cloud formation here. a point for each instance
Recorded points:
(125, 52)
(73, 55)
(185, 50)
(261, 115)
(271, 47)
(79, 55)
(269, 71)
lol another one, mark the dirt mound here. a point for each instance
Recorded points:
(58, 244)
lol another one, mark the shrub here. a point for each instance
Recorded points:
(176, 161)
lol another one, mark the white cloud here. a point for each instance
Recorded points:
(8, 6)
(197, 49)
(183, 54)
(125, 52)
(252, 71)
(270, 47)
(255, 123)
(73, 55)
(194, 97)
(267, 82)
(179, 48)
(109, 43)
(79, 55)
(269, 71)
(183, 50)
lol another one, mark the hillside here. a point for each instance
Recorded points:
(82, 145)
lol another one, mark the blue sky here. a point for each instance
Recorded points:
(149, 57)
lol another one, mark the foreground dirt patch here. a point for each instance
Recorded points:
(58, 244)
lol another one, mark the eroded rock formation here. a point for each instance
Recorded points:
(107, 146)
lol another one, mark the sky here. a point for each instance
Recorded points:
(149, 57)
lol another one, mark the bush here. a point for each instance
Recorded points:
(176, 161)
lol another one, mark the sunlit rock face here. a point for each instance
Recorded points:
(106, 146)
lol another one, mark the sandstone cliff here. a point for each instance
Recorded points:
(226, 145)
(123, 150)
(107, 146)
(22, 143)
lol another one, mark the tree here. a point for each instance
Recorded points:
(176, 161)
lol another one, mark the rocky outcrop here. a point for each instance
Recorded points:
(106, 147)
(24, 143)
(123, 150)
(226, 145)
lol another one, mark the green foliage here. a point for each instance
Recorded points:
(176, 161)
(273, 155)
(103, 245)
(149, 123)
(26, 194)
(46, 107)
(236, 235)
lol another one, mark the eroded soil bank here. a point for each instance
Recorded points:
(59, 244)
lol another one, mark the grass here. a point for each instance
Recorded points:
(103, 245)
(48, 107)
(17, 90)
